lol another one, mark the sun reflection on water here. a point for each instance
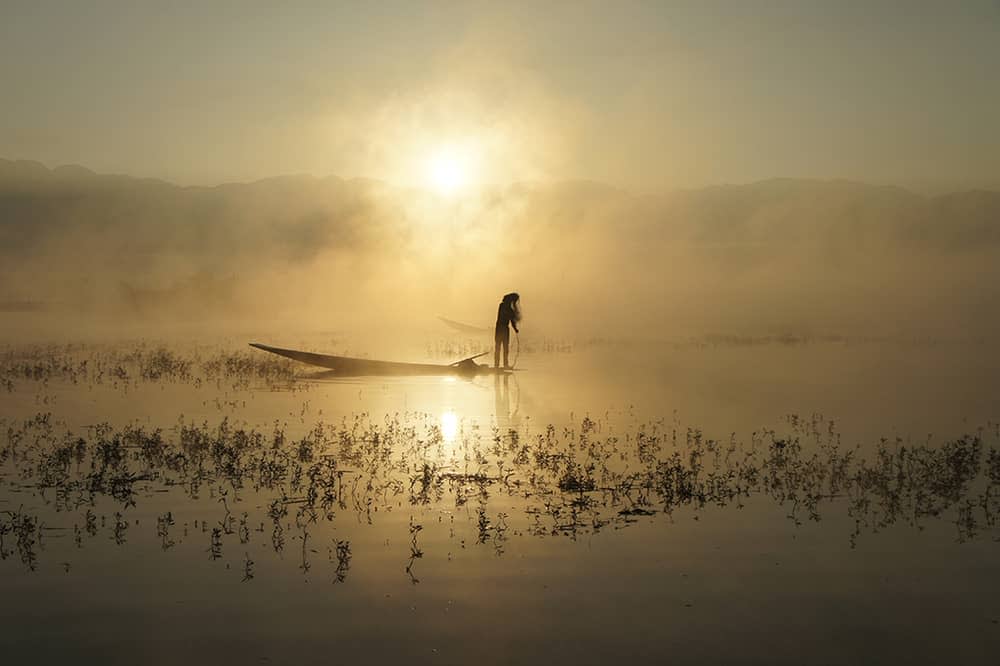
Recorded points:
(449, 426)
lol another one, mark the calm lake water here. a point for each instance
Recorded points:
(700, 501)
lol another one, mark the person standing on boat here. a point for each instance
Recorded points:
(508, 313)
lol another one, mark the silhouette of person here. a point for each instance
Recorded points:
(508, 313)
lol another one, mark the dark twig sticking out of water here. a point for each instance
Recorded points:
(343, 556)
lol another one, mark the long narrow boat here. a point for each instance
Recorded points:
(363, 367)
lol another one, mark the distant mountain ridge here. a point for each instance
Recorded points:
(300, 212)
(31, 170)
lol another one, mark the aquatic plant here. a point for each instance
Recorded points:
(567, 481)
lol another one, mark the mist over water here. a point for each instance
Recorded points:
(783, 257)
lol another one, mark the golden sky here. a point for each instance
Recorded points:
(645, 95)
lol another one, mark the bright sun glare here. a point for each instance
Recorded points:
(447, 171)
(449, 426)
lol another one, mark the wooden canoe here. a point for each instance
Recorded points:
(363, 367)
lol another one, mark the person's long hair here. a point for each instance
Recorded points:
(513, 300)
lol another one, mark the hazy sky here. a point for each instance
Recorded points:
(646, 95)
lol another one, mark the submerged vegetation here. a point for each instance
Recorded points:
(267, 485)
(126, 366)
(316, 491)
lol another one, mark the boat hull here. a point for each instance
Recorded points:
(360, 367)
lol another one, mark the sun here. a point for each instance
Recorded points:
(447, 171)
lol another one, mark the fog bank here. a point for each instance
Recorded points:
(774, 257)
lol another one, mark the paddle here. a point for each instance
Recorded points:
(471, 358)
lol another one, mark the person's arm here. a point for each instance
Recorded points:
(514, 324)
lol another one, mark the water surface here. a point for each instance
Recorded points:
(705, 501)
